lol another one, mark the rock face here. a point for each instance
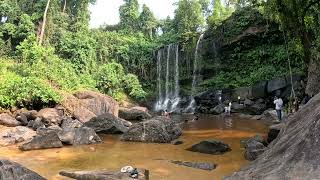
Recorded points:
(13, 171)
(155, 130)
(134, 113)
(79, 136)
(210, 147)
(295, 153)
(7, 120)
(85, 105)
(43, 140)
(108, 124)
(196, 165)
(100, 175)
(13, 135)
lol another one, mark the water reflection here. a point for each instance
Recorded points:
(113, 154)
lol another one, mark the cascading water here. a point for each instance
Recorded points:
(196, 74)
(171, 99)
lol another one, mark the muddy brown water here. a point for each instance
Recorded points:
(114, 154)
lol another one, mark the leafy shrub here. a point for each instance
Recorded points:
(133, 86)
(25, 91)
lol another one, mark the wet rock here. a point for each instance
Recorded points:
(273, 132)
(134, 113)
(156, 130)
(219, 109)
(176, 142)
(68, 123)
(35, 124)
(43, 140)
(196, 165)
(79, 136)
(108, 124)
(294, 154)
(210, 147)
(22, 119)
(100, 175)
(85, 105)
(13, 171)
(254, 147)
(13, 135)
(7, 120)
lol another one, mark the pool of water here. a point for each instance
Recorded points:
(114, 154)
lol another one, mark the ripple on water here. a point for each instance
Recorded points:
(113, 154)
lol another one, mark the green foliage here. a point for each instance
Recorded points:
(25, 91)
(111, 79)
(147, 22)
(219, 14)
(129, 14)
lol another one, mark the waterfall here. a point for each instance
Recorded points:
(176, 97)
(196, 74)
(160, 97)
(171, 99)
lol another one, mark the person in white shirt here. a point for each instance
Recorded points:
(279, 103)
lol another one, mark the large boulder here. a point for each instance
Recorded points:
(35, 124)
(8, 120)
(295, 153)
(13, 135)
(104, 174)
(108, 124)
(219, 109)
(43, 140)
(85, 105)
(259, 90)
(50, 116)
(13, 171)
(68, 123)
(79, 136)
(155, 130)
(254, 147)
(134, 113)
(210, 147)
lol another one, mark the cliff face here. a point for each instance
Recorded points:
(295, 153)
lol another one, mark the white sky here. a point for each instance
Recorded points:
(106, 11)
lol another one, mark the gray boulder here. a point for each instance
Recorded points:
(68, 123)
(50, 116)
(13, 135)
(276, 84)
(219, 109)
(155, 130)
(108, 124)
(210, 147)
(22, 119)
(35, 124)
(43, 140)
(79, 136)
(259, 90)
(196, 165)
(7, 120)
(104, 175)
(134, 113)
(13, 171)
(254, 147)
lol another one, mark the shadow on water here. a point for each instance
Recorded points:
(113, 154)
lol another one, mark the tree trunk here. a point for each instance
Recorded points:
(313, 84)
(44, 23)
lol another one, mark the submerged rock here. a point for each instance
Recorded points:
(104, 174)
(79, 136)
(155, 130)
(196, 165)
(7, 120)
(176, 142)
(108, 124)
(44, 139)
(210, 147)
(13, 171)
(134, 113)
(295, 153)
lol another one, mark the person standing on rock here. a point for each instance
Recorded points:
(279, 103)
